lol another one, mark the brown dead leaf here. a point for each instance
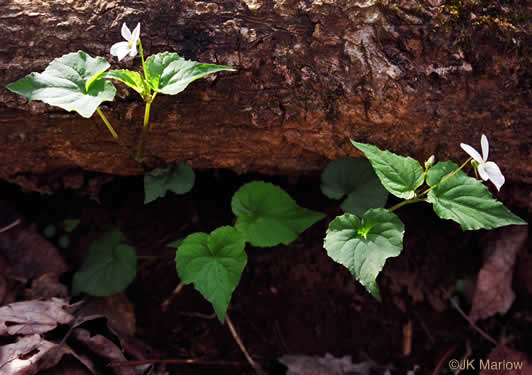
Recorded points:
(327, 365)
(26, 356)
(7, 292)
(503, 360)
(67, 366)
(46, 286)
(523, 276)
(136, 348)
(103, 347)
(29, 317)
(30, 255)
(493, 293)
(132, 346)
(118, 310)
(31, 354)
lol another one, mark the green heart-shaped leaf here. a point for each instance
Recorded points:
(109, 267)
(179, 179)
(466, 200)
(214, 263)
(267, 216)
(363, 245)
(73, 82)
(355, 179)
(129, 78)
(400, 175)
(168, 73)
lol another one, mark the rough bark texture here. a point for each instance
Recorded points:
(310, 75)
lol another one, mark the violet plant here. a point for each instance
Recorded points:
(81, 83)
(363, 239)
(267, 215)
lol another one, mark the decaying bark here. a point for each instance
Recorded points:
(310, 75)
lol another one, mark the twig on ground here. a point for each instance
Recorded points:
(281, 337)
(197, 315)
(444, 359)
(166, 303)
(178, 362)
(12, 225)
(257, 367)
(464, 315)
(425, 328)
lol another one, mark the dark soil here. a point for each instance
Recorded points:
(291, 299)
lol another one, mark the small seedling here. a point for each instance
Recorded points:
(110, 266)
(178, 179)
(214, 264)
(266, 216)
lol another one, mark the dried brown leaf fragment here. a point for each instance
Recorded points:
(29, 355)
(104, 348)
(503, 360)
(30, 317)
(493, 293)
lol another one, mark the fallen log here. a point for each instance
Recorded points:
(411, 76)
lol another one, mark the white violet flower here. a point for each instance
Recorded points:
(121, 49)
(488, 170)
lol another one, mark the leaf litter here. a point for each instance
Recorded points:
(330, 365)
(33, 317)
(28, 259)
(31, 354)
(512, 362)
(493, 293)
(104, 348)
(29, 254)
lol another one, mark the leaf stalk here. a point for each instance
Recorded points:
(404, 203)
(419, 197)
(142, 58)
(446, 178)
(114, 134)
(145, 129)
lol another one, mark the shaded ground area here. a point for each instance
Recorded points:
(292, 299)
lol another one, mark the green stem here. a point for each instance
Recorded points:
(149, 257)
(142, 58)
(446, 178)
(404, 203)
(418, 198)
(145, 129)
(113, 133)
(109, 126)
